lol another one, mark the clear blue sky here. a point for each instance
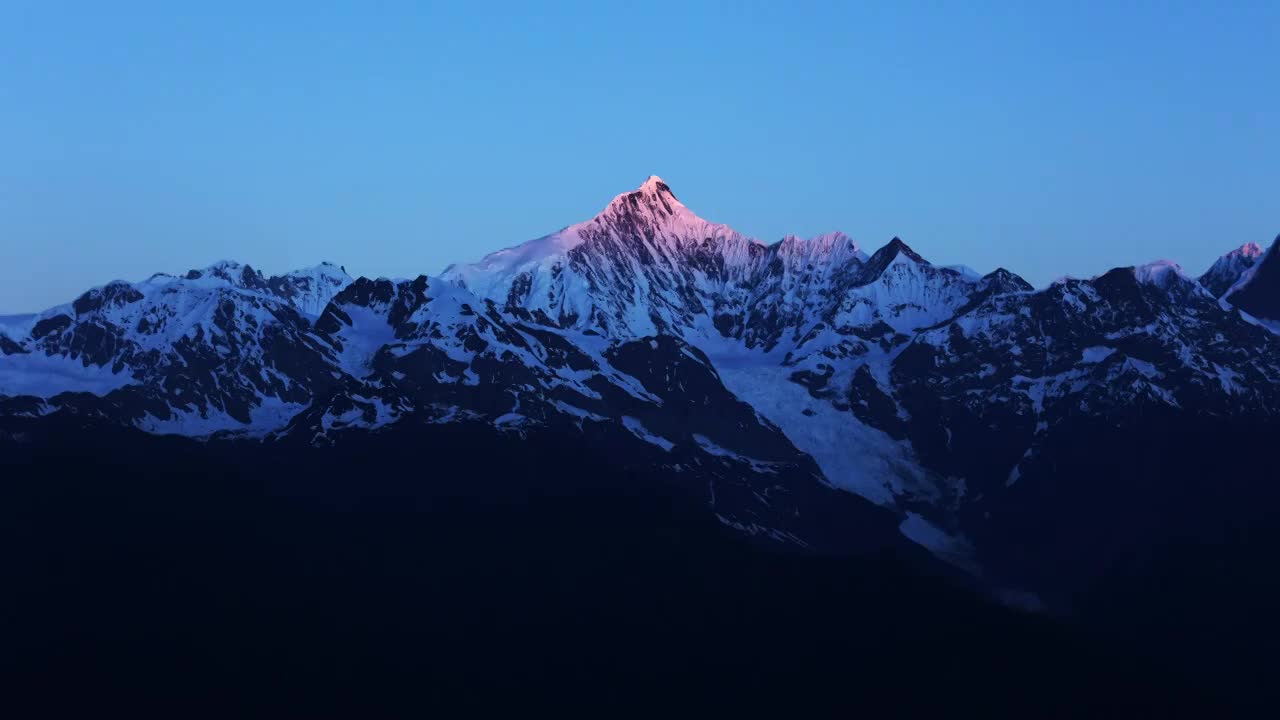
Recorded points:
(398, 137)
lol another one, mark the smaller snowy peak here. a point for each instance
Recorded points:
(1257, 292)
(246, 276)
(324, 275)
(829, 250)
(897, 247)
(1253, 250)
(825, 245)
(308, 290)
(899, 290)
(1161, 273)
(231, 272)
(1229, 268)
(892, 253)
(325, 269)
(381, 293)
(1004, 281)
(832, 238)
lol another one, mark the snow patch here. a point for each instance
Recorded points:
(270, 415)
(1096, 354)
(48, 375)
(1159, 273)
(852, 455)
(954, 549)
(638, 429)
(368, 333)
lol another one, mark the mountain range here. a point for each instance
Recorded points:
(1046, 446)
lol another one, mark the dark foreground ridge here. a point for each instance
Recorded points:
(163, 574)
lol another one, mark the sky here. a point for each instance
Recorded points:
(395, 138)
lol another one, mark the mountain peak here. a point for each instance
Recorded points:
(1251, 249)
(888, 255)
(896, 247)
(654, 184)
(1258, 290)
(649, 214)
(325, 269)
(828, 247)
(1231, 268)
(652, 197)
(1160, 273)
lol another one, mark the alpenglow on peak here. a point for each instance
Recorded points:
(654, 183)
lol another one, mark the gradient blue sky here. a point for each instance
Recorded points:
(397, 137)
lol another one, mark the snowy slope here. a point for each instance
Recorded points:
(888, 370)
(926, 389)
(766, 314)
(192, 354)
(1229, 268)
(225, 350)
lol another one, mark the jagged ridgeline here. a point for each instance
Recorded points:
(804, 393)
(932, 391)
(784, 370)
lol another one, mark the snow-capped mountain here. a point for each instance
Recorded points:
(762, 373)
(629, 268)
(1227, 270)
(307, 290)
(646, 264)
(1016, 364)
(1257, 290)
(225, 352)
(209, 350)
(922, 388)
